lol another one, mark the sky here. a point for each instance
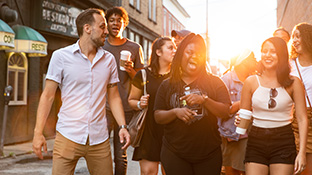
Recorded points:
(232, 24)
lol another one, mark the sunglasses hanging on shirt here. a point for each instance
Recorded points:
(272, 102)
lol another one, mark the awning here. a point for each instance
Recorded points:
(6, 36)
(29, 41)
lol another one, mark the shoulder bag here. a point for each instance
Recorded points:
(137, 123)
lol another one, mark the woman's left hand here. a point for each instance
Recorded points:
(192, 99)
(144, 101)
(300, 163)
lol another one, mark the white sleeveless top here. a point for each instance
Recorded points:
(278, 116)
(306, 73)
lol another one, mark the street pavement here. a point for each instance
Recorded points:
(19, 159)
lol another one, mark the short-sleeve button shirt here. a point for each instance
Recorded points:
(83, 92)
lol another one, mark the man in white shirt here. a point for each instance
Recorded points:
(85, 73)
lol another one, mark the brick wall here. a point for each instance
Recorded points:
(295, 12)
(142, 15)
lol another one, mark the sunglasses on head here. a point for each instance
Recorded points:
(272, 102)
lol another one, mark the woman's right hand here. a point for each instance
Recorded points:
(144, 101)
(185, 114)
(237, 120)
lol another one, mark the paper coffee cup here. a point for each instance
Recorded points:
(245, 116)
(124, 57)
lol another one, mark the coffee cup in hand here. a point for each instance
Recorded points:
(124, 57)
(245, 120)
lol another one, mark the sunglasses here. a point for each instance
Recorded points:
(273, 94)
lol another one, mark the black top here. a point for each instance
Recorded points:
(151, 142)
(192, 141)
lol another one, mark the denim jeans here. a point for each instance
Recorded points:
(120, 155)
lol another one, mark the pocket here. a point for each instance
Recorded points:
(63, 147)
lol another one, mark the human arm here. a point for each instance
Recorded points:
(235, 107)
(45, 103)
(216, 108)
(301, 114)
(167, 116)
(115, 104)
(136, 96)
(164, 115)
(218, 103)
(247, 91)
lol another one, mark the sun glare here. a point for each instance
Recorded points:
(232, 25)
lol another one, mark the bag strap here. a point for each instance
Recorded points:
(144, 80)
(303, 83)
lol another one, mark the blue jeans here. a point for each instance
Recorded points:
(120, 155)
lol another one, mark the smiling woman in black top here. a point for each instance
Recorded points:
(191, 142)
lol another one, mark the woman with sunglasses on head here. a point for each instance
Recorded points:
(188, 104)
(301, 62)
(148, 153)
(271, 95)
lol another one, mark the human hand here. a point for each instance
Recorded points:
(237, 120)
(144, 101)
(185, 114)
(300, 163)
(39, 142)
(124, 137)
(193, 99)
(129, 66)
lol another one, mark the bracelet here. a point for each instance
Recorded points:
(123, 126)
(205, 97)
(139, 105)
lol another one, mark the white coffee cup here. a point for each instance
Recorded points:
(245, 116)
(124, 57)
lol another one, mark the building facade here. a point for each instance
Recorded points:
(292, 12)
(54, 23)
(174, 17)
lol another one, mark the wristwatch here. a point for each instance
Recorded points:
(123, 126)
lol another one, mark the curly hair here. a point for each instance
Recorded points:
(118, 11)
(305, 30)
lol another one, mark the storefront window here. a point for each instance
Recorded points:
(17, 78)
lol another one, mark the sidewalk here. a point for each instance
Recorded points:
(23, 148)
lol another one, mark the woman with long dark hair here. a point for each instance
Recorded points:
(188, 104)
(271, 95)
(301, 61)
(148, 153)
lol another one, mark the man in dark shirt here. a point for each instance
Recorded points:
(117, 20)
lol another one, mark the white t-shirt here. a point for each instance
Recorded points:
(306, 73)
(83, 92)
